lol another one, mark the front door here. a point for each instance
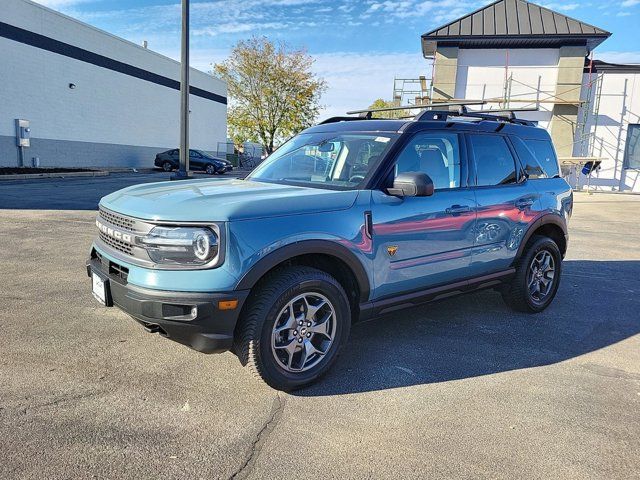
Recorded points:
(422, 242)
(506, 203)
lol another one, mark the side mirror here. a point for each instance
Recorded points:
(412, 184)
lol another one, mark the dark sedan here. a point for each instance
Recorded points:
(198, 160)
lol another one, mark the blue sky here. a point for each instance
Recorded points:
(359, 46)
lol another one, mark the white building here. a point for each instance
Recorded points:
(515, 54)
(93, 99)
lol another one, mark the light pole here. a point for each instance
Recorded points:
(183, 171)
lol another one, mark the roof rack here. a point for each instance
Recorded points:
(427, 114)
(462, 111)
(367, 113)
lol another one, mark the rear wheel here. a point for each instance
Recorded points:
(293, 327)
(167, 166)
(537, 277)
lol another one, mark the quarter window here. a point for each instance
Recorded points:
(545, 156)
(436, 154)
(495, 164)
(632, 151)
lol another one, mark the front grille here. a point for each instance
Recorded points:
(118, 270)
(117, 220)
(116, 244)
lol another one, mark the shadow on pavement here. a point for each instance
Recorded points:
(597, 305)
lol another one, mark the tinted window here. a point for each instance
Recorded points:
(531, 166)
(436, 154)
(494, 163)
(193, 153)
(632, 151)
(545, 155)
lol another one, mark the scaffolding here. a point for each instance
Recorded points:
(534, 95)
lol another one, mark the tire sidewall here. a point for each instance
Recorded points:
(538, 246)
(290, 380)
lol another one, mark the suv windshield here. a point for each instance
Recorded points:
(324, 160)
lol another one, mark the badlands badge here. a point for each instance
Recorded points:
(392, 250)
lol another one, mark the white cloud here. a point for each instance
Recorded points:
(630, 3)
(566, 7)
(356, 80)
(57, 4)
(619, 57)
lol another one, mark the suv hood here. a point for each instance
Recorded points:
(223, 200)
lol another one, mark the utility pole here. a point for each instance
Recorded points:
(183, 171)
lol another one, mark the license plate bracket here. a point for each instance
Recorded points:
(101, 289)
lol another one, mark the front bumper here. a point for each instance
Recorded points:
(170, 313)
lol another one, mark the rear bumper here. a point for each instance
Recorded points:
(207, 329)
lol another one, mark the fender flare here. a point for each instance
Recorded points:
(546, 219)
(305, 247)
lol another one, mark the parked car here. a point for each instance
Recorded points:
(198, 160)
(348, 220)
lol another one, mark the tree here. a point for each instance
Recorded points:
(273, 92)
(380, 103)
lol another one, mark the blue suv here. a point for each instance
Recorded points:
(350, 219)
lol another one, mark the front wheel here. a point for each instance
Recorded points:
(537, 277)
(294, 327)
(210, 169)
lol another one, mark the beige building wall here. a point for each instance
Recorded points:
(564, 121)
(444, 73)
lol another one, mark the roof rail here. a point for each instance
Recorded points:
(462, 111)
(367, 113)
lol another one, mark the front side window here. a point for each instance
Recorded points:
(433, 153)
(632, 150)
(495, 164)
(336, 160)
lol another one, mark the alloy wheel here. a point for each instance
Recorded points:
(303, 332)
(541, 276)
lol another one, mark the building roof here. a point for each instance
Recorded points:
(600, 66)
(513, 24)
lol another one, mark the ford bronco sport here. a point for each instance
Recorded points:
(350, 219)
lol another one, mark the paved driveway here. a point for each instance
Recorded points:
(461, 388)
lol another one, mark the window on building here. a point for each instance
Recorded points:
(436, 154)
(495, 164)
(632, 150)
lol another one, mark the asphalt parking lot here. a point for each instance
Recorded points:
(460, 388)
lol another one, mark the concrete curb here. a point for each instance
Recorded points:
(31, 176)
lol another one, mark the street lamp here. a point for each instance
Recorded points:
(183, 171)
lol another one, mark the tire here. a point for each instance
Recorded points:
(268, 353)
(210, 169)
(521, 293)
(167, 166)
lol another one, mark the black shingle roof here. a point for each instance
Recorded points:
(514, 23)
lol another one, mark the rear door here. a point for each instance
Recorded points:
(195, 159)
(421, 242)
(506, 202)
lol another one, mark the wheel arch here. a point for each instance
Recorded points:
(550, 225)
(325, 255)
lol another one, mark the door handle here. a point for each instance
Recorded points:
(524, 203)
(457, 209)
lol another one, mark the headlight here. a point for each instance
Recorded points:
(190, 246)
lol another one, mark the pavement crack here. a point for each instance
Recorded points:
(276, 413)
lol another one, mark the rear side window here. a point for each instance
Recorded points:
(531, 166)
(495, 164)
(545, 156)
